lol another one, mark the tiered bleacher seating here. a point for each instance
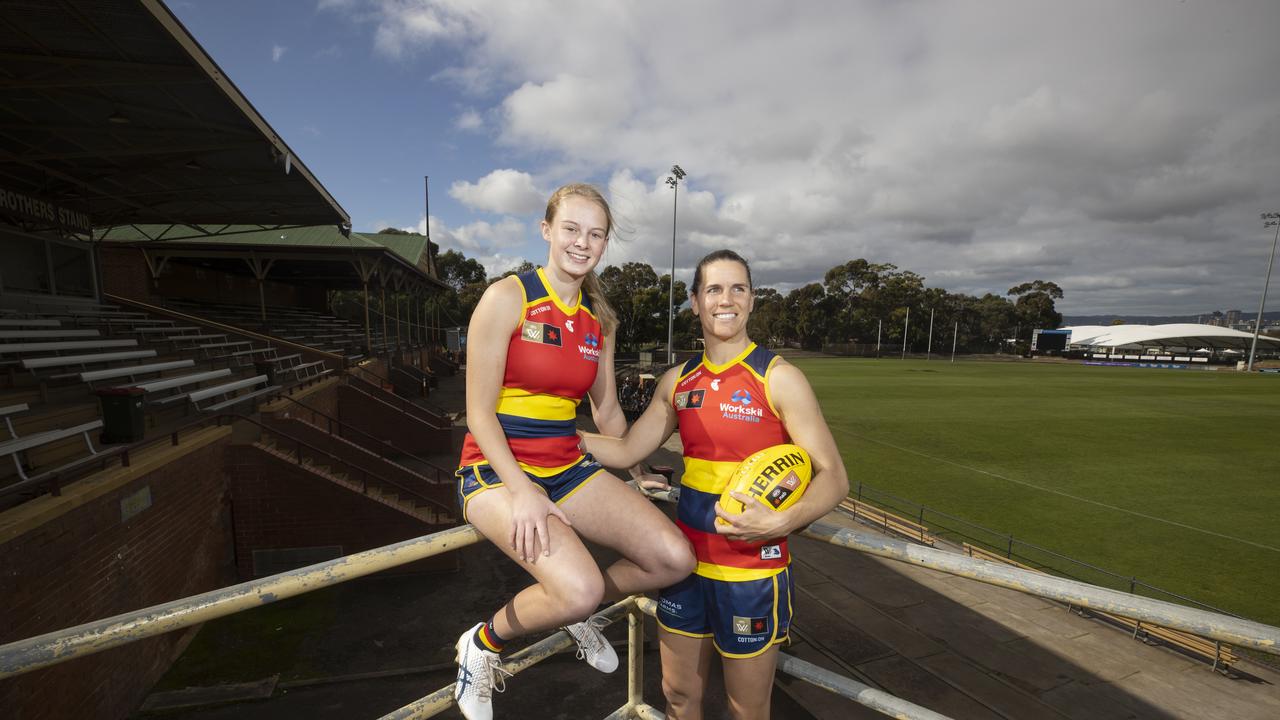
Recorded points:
(310, 328)
(60, 355)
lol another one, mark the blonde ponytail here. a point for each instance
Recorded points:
(600, 304)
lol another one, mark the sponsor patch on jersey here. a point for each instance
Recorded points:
(770, 552)
(544, 333)
(691, 400)
(749, 626)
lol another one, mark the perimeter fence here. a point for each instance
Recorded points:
(957, 530)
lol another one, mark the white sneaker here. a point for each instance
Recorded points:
(480, 672)
(593, 646)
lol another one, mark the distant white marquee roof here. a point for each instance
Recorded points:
(1184, 335)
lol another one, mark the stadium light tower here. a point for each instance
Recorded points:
(677, 174)
(1269, 219)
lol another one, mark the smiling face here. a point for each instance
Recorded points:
(724, 301)
(577, 234)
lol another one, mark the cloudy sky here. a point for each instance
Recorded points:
(1121, 149)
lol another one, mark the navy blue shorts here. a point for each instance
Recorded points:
(475, 479)
(742, 618)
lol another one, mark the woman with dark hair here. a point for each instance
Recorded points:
(537, 343)
(735, 399)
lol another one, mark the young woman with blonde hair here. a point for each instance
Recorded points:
(537, 343)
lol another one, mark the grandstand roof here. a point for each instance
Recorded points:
(1188, 335)
(319, 253)
(113, 111)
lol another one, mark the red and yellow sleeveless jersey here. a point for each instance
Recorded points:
(725, 415)
(552, 361)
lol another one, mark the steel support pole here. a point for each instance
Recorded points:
(906, 325)
(928, 353)
(671, 282)
(1262, 306)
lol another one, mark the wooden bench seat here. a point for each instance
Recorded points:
(223, 396)
(30, 322)
(242, 398)
(44, 347)
(42, 363)
(194, 338)
(133, 371)
(45, 335)
(222, 345)
(15, 447)
(174, 329)
(890, 522)
(179, 382)
(7, 412)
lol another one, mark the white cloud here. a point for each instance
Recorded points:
(509, 192)
(469, 120)
(1118, 148)
(277, 52)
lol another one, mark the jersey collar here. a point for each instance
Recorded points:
(551, 293)
(717, 369)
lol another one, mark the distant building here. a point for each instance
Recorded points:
(1233, 317)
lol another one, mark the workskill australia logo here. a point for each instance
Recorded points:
(544, 333)
(740, 408)
(590, 347)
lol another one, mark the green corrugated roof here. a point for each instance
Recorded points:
(409, 247)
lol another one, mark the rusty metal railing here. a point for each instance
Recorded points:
(56, 647)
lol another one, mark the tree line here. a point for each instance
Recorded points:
(855, 303)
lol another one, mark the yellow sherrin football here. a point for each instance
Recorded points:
(776, 476)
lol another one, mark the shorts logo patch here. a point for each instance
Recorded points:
(749, 626)
(770, 552)
(544, 333)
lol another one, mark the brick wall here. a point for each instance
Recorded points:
(279, 506)
(89, 563)
(124, 273)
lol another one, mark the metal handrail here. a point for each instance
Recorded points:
(440, 473)
(400, 403)
(55, 647)
(367, 473)
(51, 648)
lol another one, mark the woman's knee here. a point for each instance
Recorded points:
(579, 594)
(676, 557)
(681, 694)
